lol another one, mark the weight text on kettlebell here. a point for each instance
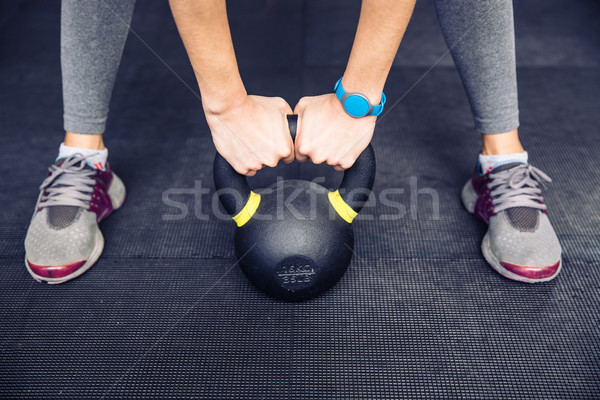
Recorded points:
(291, 274)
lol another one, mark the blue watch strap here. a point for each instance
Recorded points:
(339, 90)
(378, 109)
(357, 102)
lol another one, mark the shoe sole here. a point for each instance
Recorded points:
(469, 198)
(93, 257)
(489, 256)
(96, 251)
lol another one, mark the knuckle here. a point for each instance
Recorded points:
(271, 162)
(345, 164)
(333, 161)
(284, 151)
(242, 170)
(304, 149)
(317, 159)
(253, 165)
(237, 166)
(301, 103)
(282, 103)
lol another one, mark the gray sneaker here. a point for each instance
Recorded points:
(520, 242)
(63, 240)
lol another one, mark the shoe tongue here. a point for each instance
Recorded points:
(506, 166)
(525, 219)
(60, 161)
(60, 217)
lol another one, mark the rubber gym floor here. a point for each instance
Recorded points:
(166, 313)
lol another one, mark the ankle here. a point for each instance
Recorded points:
(84, 141)
(95, 158)
(501, 143)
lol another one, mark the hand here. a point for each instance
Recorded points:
(253, 133)
(326, 133)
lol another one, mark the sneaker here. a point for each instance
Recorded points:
(520, 242)
(63, 240)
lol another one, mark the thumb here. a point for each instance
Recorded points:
(299, 157)
(298, 107)
(288, 109)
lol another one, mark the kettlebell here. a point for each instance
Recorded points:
(294, 241)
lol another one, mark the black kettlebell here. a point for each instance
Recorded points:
(294, 241)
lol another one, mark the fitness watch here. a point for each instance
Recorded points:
(356, 104)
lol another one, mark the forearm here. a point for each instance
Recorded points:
(380, 29)
(204, 29)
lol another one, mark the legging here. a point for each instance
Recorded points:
(479, 34)
(481, 38)
(93, 34)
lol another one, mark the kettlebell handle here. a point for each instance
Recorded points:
(241, 203)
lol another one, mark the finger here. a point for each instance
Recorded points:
(289, 159)
(298, 107)
(338, 168)
(286, 154)
(240, 169)
(283, 105)
(298, 122)
(289, 155)
(332, 161)
(237, 166)
(297, 154)
(300, 151)
(288, 108)
(301, 157)
(346, 164)
(316, 159)
(271, 162)
(250, 166)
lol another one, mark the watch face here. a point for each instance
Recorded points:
(357, 105)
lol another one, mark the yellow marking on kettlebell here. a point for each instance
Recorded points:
(248, 210)
(343, 209)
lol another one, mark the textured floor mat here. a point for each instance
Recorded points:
(408, 328)
(166, 313)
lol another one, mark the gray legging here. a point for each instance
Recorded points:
(481, 38)
(479, 34)
(93, 34)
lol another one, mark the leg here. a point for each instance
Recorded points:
(480, 36)
(93, 35)
(64, 240)
(504, 190)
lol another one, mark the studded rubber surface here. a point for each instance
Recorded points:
(165, 313)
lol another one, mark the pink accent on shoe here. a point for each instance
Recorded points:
(55, 271)
(484, 208)
(531, 272)
(101, 203)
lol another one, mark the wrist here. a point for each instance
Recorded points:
(357, 103)
(218, 102)
(372, 89)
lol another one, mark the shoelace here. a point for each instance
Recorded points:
(517, 187)
(68, 184)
